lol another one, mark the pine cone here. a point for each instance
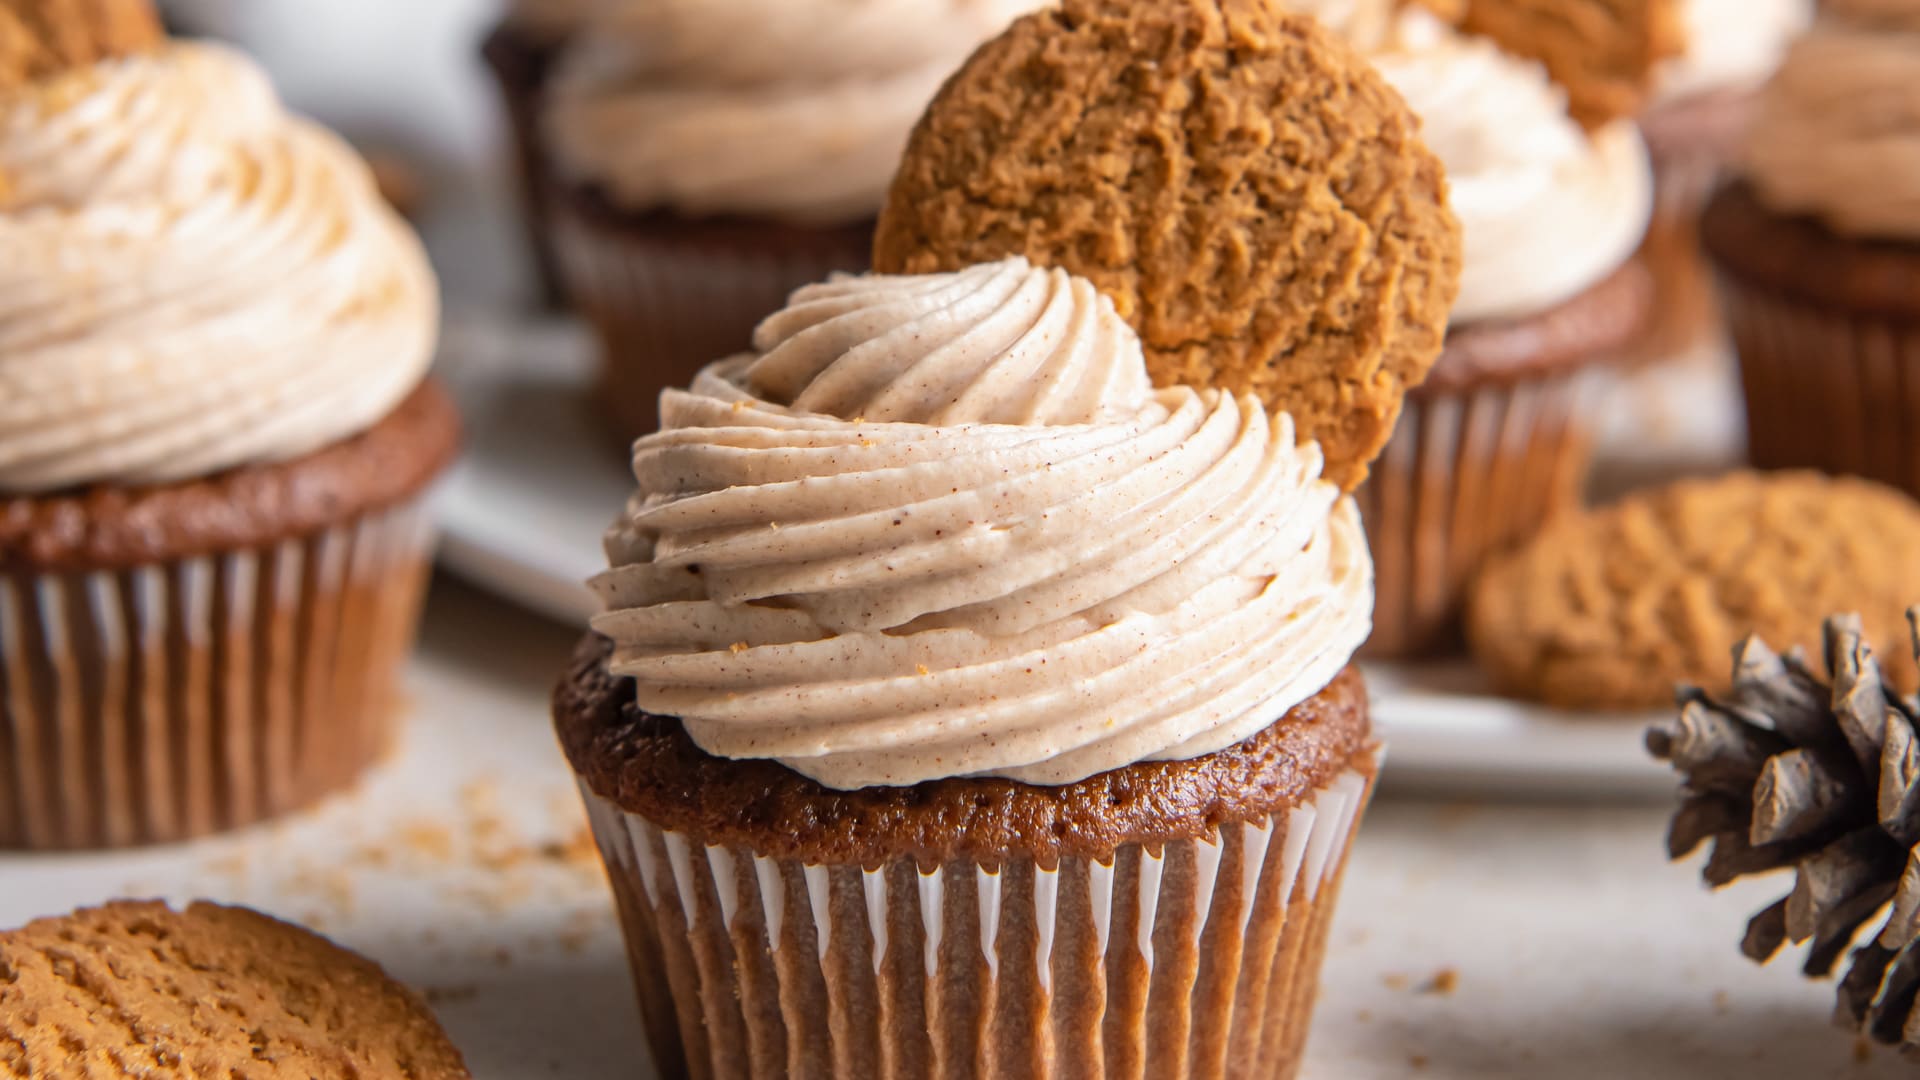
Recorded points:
(1789, 771)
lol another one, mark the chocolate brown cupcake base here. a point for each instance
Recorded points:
(180, 660)
(1498, 440)
(668, 295)
(1121, 939)
(1828, 335)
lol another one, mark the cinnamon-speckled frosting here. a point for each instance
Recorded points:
(193, 279)
(793, 109)
(942, 526)
(1838, 131)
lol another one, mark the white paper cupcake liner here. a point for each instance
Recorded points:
(1192, 959)
(1827, 388)
(1465, 474)
(156, 703)
(664, 307)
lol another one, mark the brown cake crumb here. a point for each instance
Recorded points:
(41, 38)
(1603, 52)
(140, 990)
(1253, 196)
(1612, 608)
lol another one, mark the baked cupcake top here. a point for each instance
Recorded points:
(1546, 209)
(205, 991)
(1837, 136)
(942, 526)
(1731, 45)
(195, 280)
(780, 108)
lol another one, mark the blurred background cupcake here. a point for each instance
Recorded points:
(216, 435)
(1702, 104)
(1499, 436)
(694, 161)
(1817, 247)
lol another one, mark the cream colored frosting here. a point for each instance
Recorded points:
(193, 279)
(795, 109)
(1838, 130)
(994, 550)
(1546, 212)
(1731, 44)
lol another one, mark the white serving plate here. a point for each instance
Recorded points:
(542, 478)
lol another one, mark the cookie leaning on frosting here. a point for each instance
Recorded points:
(216, 434)
(962, 700)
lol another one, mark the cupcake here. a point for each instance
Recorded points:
(1816, 244)
(1702, 104)
(965, 705)
(1498, 439)
(701, 159)
(215, 438)
(520, 51)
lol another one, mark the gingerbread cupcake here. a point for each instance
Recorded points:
(1703, 102)
(1817, 248)
(697, 160)
(963, 704)
(1498, 439)
(215, 439)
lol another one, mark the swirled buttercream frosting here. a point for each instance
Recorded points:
(1837, 135)
(193, 279)
(792, 109)
(943, 526)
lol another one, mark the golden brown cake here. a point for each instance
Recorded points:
(141, 991)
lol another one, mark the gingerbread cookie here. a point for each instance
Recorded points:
(1253, 196)
(141, 990)
(1602, 51)
(39, 38)
(1612, 608)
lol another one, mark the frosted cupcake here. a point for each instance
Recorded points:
(215, 435)
(1498, 438)
(1817, 247)
(702, 159)
(964, 699)
(1703, 102)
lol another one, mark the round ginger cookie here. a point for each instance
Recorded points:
(41, 38)
(1613, 608)
(137, 989)
(1604, 53)
(1253, 196)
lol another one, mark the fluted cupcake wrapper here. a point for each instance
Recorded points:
(165, 701)
(1468, 472)
(1194, 959)
(664, 304)
(1825, 388)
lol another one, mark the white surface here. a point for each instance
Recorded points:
(542, 480)
(1579, 952)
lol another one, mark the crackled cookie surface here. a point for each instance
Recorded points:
(1251, 194)
(1613, 607)
(141, 990)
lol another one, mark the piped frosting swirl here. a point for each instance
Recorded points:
(943, 526)
(194, 280)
